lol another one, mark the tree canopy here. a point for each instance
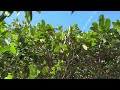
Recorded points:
(47, 52)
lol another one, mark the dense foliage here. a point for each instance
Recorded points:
(44, 52)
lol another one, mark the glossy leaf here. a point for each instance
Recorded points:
(9, 76)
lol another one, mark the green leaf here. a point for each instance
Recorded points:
(33, 71)
(116, 24)
(25, 29)
(39, 33)
(28, 16)
(9, 76)
(1, 28)
(15, 37)
(95, 25)
(7, 42)
(60, 45)
(33, 32)
(4, 49)
(36, 39)
(44, 70)
(117, 27)
(43, 24)
(93, 43)
(53, 43)
(59, 28)
(101, 21)
(12, 44)
(107, 24)
(28, 35)
(57, 49)
(47, 27)
(61, 37)
(53, 71)
(94, 33)
(93, 73)
(93, 28)
(13, 48)
(65, 47)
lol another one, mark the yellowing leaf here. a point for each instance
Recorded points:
(85, 47)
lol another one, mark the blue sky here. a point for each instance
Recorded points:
(84, 19)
